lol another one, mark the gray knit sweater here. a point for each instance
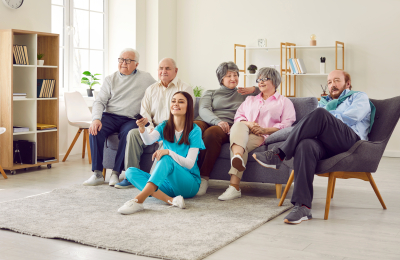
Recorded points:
(221, 105)
(121, 94)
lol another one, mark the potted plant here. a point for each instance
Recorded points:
(198, 90)
(40, 62)
(90, 80)
(252, 69)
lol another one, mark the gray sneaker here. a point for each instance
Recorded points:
(268, 158)
(298, 214)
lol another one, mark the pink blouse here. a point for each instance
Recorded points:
(277, 111)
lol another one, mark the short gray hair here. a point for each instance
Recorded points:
(137, 56)
(224, 67)
(171, 59)
(271, 73)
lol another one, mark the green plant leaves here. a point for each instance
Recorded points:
(87, 73)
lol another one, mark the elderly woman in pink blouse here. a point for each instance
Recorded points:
(256, 118)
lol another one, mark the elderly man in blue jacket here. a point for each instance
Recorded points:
(341, 119)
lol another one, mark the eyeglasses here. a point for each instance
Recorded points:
(264, 79)
(127, 61)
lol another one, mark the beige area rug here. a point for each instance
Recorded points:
(84, 215)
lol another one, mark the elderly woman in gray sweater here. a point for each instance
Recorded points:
(217, 110)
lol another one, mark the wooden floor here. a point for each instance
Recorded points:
(358, 227)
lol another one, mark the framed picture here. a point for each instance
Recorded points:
(262, 42)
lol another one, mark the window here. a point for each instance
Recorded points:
(82, 25)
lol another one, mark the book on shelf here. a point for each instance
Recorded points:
(52, 128)
(19, 94)
(19, 129)
(297, 66)
(20, 55)
(46, 159)
(302, 66)
(19, 97)
(45, 88)
(41, 126)
(292, 66)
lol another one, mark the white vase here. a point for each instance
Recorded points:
(40, 62)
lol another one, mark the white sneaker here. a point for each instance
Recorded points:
(237, 163)
(131, 207)
(93, 181)
(178, 202)
(231, 193)
(203, 187)
(114, 179)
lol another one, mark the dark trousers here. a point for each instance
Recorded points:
(213, 137)
(317, 136)
(111, 123)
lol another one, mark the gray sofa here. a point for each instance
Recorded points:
(253, 173)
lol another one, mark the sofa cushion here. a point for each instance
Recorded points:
(303, 106)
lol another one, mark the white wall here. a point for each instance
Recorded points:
(32, 16)
(208, 29)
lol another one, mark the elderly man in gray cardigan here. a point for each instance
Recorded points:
(114, 110)
(217, 110)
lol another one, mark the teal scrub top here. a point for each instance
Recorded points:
(195, 141)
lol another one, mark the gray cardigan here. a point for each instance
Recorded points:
(221, 105)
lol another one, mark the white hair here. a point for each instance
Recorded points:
(131, 50)
(171, 59)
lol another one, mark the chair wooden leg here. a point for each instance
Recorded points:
(287, 188)
(3, 173)
(278, 188)
(373, 184)
(88, 147)
(72, 144)
(333, 188)
(84, 143)
(331, 181)
(104, 173)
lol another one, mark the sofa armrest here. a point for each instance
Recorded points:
(278, 136)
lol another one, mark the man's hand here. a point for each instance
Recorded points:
(159, 153)
(246, 91)
(95, 126)
(141, 123)
(225, 126)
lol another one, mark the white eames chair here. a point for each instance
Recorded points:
(79, 115)
(2, 130)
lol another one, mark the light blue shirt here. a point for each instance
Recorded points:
(355, 112)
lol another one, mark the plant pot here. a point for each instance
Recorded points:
(89, 92)
(252, 71)
(40, 62)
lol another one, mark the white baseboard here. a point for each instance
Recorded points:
(391, 153)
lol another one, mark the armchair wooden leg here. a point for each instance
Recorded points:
(333, 188)
(84, 143)
(278, 188)
(373, 184)
(88, 147)
(3, 173)
(72, 144)
(287, 188)
(331, 181)
(104, 173)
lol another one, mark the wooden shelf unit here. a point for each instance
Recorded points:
(32, 110)
(287, 51)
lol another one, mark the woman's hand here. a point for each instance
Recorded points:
(246, 91)
(225, 126)
(159, 153)
(141, 124)
(258, 130)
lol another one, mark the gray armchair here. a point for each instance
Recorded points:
(363, 157)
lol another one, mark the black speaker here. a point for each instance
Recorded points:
(24, 152)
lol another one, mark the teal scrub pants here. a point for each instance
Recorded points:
(168, 176)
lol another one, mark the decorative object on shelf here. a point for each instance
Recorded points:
(198, 91)
(252, 69)
(322, 66)
(324, 90)
(13, 4)
(90, 82)
(20, 55)
(313, 41)
(262, 42)
(40, 62)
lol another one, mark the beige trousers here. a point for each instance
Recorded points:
(240, 135)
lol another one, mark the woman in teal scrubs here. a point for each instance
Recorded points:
(176, 175)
